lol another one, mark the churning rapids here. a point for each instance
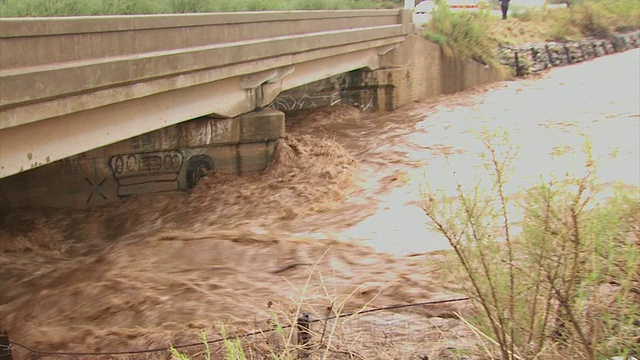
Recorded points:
(336, 217)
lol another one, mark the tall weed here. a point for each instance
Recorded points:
(461, 33)
(187, 6)
(561, 26)
(592, 20)
(569, 284)
(625, 13)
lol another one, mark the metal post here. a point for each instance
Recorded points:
(304, 333)
(568, 53)
(5, 346)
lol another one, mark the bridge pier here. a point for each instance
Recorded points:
(169, 159)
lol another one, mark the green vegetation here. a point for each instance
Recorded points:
(476, 35)
(568, 285)
(206, 354)
(595, 18)
(16, 8)
(461, 33)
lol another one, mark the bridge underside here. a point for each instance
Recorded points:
(67, 135)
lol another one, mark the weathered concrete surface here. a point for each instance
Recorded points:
(85, 82)
(418, 69)
(415, 70)
(173, 158)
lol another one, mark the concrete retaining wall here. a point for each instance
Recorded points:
(419, 69)
(415, 70)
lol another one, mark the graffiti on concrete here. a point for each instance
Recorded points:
(290, 102)
(325, 92)
(95, 188)
(95, 184)
(198, 167)
(369, 106)
(146, 172)
(346, 89)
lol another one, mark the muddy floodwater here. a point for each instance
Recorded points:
(336, 218)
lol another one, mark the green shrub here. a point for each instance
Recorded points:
(461, 33)
(19, 8)
(187, 6)
(561, 26)
(567, 286)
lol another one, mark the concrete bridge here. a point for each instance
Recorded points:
(75, 88)
(91, 81)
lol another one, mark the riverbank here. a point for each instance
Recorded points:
(484, 37)
(156, 270)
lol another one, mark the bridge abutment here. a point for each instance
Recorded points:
(419, 69)
(414, 70)
(169, 159)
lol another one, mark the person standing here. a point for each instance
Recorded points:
(504, 6)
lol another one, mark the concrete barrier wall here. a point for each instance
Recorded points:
(419, 69)
(54, 40)
(48, 58)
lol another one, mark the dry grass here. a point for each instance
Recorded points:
(591, 18)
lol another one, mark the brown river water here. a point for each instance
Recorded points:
(335, 219)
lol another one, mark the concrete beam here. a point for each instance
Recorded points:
(74, 133)
(49, 81)
(31, 112)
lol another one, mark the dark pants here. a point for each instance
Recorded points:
(505, 7)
